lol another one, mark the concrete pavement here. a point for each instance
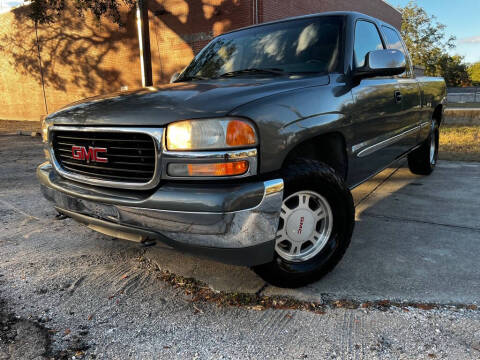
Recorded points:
(417, 239)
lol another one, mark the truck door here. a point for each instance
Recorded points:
(376, 113)
(409, 91)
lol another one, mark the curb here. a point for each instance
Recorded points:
(28, 133)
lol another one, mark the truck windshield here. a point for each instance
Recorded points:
(310, 45)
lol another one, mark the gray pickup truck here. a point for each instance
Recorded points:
(248, 156)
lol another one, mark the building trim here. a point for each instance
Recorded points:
(255, 16)
(393, 7)
(41, 68)
(144, 44)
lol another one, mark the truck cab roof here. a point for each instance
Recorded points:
(353, 15)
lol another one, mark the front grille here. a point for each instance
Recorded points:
(130, 156)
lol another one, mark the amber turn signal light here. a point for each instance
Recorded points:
(210, 169)
(239, 133)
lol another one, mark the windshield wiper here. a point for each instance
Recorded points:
(192, 77)
(274, 71)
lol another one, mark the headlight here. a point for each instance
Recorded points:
(210, 134)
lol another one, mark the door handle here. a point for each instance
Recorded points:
(398, 97)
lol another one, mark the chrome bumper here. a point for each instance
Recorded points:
(140, 218)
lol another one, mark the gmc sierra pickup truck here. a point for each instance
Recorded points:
(248, 156)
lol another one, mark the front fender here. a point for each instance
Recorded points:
(288, 119)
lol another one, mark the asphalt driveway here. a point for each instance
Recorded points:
(73, 291)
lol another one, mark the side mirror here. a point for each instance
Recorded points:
(174, 77)
(382, 63)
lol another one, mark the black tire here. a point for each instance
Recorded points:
(310, 175)
(420, 161)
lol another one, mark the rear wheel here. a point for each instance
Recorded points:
(423, 160)
(315, 227)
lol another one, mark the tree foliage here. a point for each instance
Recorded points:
(474, 72)
(48, 11)
(429, 45)
(453, 70)
(424, 36)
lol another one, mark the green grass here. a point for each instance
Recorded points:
(460, 143)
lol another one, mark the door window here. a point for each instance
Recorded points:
(394, 41)
(367, 39)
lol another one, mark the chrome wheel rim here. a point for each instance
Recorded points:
(433, 146)
(305, 226)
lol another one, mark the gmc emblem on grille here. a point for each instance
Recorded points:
(90, 155)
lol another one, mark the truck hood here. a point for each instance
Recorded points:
(158, 106)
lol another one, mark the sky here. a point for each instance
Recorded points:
(462, 18)
(6, 5)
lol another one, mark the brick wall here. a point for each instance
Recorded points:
(277, 9)
(180, 29)
(80, 57)
(20, 88)
(84, 57)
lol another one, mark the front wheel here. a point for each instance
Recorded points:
(315, 227)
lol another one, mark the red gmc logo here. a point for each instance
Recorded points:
(300, 227)
(92, 154)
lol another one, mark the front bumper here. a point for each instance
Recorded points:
(232, 223)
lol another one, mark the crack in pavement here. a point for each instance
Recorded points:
(201, 292)
(13, 207)
(402, 219)
(262, 289)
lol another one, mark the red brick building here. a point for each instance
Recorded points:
(44, 68)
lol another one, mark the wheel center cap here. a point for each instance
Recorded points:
(300, 225)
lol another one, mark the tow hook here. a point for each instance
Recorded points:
(61, 216)
(148, 242)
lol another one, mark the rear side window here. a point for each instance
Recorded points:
(394, 41)
(367, 39)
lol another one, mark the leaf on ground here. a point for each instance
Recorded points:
(425, 306)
